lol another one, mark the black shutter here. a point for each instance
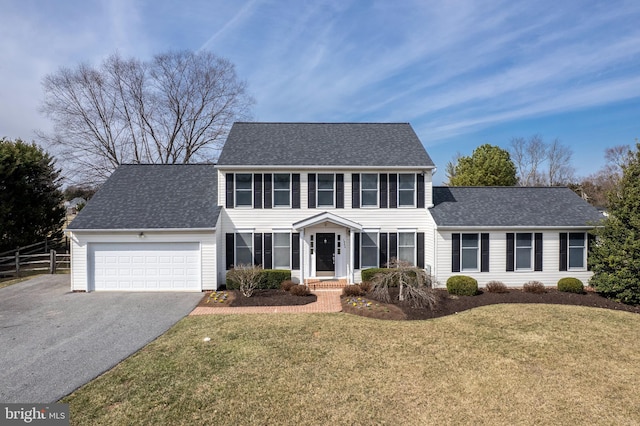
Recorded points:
(295, 251)
(384, 196)
(257, 249)
(257, 191)
(268, 251)
(268, 185)
(537, 251)
(356, 250)
(455, 252)
(564, 248)
(591, 239)
(393, 245)
(484, 252)
(511, 248)
(355, 190)
(229, 180)
(420, 250)
(393, 190)
(230, 250)
(312, 191)
(340, 190)
(384, 254)
(295, 190)
(420, 192)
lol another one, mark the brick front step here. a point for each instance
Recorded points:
(315, 284)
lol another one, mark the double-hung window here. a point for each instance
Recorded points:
(369, 250)
(406, 190)
(244, 190)
(369, 189)
(524, 252)
(282, 251)
(326, 189)
(407, 247)
(576, 250)
(469, 252)
(281, 190)
(244, 248)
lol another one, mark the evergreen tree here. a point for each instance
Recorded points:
(488, 166)
(30, 199)
(615, 258)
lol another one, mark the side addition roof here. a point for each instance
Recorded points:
(153, 196)
(511, 207)
(324, 144)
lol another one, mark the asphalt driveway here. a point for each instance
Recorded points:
(53, 341)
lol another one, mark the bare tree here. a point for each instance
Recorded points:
(559, 169)
(539, 163)
(596, 187)
(175, 108)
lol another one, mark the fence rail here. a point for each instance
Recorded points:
(51, 262)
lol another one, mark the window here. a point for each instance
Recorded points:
(325, 190)
(282, 251)
(369, 250)
(406, 189)
(407, 247)
(244, 190)
(244, 248)
(469, 252)
(524, 251)
(576, 250)
(369, 191)
(281, 190)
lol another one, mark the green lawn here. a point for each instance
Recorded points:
(502, 364)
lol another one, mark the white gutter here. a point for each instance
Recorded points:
(141, 230)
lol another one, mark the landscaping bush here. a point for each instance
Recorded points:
(415, 287)
(496, 287)
(534, 287)
(365, 286)
(368, 274)
(247, 278)
(299, 290)
(462, 285)
(352, 291)
(287, 284)
(273, 278)
(570, 285)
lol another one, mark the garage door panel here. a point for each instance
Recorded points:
(146, 266)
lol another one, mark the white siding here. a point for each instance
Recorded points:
(81, 240)
(549, 275)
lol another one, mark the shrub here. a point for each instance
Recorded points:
(462, 285)
(570, 285)
(273, 278)
(496, 287)
(287, 284)
(534, 287)
(368, 274)
(415, 287)
(244, 277)
(365, 286)
(299, 290)
(352, 291)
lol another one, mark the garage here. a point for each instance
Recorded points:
(145, 266)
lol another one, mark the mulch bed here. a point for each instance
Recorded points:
(453, 304)
(259, 298)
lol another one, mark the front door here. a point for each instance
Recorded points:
(325, 254)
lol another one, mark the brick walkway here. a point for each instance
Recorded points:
(328, 301)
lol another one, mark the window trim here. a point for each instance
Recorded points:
(531, 248)
(235, 246)
(377, 191)
(376, 246)
(274, 190)
(235, 192)
(333, 191)
(476, 248)
(413, 190)
(415, 245)
(584, 252)
(274, 247)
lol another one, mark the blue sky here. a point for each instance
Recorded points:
(462, 73)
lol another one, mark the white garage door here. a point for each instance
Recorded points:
(145, 266)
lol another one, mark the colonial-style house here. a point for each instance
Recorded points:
(324, 200)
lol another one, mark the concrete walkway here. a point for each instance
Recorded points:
(328, 301)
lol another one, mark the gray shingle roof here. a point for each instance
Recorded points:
(146, 196)
(324, 144)
(511, 206)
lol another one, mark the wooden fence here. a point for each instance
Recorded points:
(36, 257)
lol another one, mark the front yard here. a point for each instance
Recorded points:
(500, 364)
